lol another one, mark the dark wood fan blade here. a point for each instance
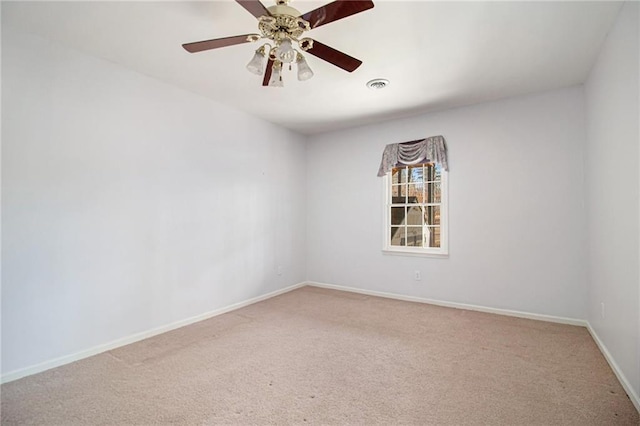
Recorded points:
(337, 10)
(335, 57)
(267, 72)
(199, 46)
(254, 7)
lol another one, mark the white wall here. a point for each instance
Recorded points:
(517, 222)
(612, 164)
(129, 204)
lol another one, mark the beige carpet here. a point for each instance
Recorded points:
(316, 356)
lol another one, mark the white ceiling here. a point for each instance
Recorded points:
(436, 54)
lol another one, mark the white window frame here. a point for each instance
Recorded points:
(443, 250)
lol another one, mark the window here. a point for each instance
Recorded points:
(415, 215)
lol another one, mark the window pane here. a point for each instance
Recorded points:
(433, 193)
(414, 236)
(397, 236)
(432, 173)
(398, 194)
(415, 173)
(432, 236)
(415, 193)
(414, 215)
(432, 215)
(395, 175)
(438, 173)
(397, 215)
(399, 175)
(395, 191)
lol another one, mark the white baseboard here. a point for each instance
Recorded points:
(17, 374)
(633, 396)
(507, 312)
(38, 368)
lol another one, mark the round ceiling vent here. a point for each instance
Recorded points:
(378, 83)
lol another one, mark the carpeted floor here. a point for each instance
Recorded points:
(317, 356)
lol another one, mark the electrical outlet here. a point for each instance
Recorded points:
(417, 276)
(602, 309)
(279, 270)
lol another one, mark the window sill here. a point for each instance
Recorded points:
(415, 253)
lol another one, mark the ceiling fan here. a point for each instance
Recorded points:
(282, 26)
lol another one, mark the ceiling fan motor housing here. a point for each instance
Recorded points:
(283, 23)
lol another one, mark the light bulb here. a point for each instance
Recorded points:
(276, 75)
(304, 71)
(256, 65)
(285, 52)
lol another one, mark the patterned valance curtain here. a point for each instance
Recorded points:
(429, 150)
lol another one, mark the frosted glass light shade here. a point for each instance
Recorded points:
(276, 75)
(256, 65)
(304, 71)
(285, 52)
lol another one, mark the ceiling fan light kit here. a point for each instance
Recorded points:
(282, 26)
(282, 54)
(276, 75)
(304, 71)
(256, 65)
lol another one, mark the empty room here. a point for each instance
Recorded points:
(251, 212)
